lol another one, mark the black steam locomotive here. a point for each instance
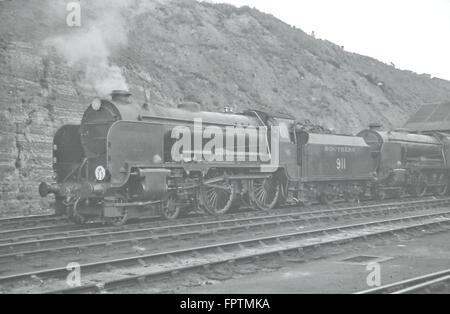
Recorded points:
(125, 160)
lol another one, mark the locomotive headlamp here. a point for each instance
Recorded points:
(100, 173)
(96, 104)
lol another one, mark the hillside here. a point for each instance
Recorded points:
(171, 51)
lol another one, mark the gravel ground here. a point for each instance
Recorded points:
(400, 258)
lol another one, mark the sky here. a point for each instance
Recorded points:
(412, 34)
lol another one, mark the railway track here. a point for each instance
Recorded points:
(69, 229)
(39, 232)
(111, 274)
(23, 226)
(81, 240)
(430, 283)
(38, 225)
(30, 221)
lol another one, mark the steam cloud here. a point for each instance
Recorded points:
(89, 49)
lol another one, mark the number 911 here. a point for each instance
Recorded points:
(341, 163)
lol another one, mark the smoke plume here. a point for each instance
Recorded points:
(88, 49)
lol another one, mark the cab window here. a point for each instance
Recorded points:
(287, 133)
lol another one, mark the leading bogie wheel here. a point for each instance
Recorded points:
(123, 217)
(170, 209)
(118, 220)
(60, 206)
(73, 213)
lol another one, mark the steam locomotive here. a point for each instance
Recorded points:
(127, 160)
(406, 163)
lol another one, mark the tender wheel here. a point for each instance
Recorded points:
(170, 209)
(442, 189)
(264, 193)
(351, 197)
(382, 195)
(420, 186)
(306, 201)
(305, 196)
(353, 194)
(401, 193)
(218, 198)
(328, 196)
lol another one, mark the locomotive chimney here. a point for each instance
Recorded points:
(121, 96)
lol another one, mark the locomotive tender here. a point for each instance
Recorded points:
(125, 160)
